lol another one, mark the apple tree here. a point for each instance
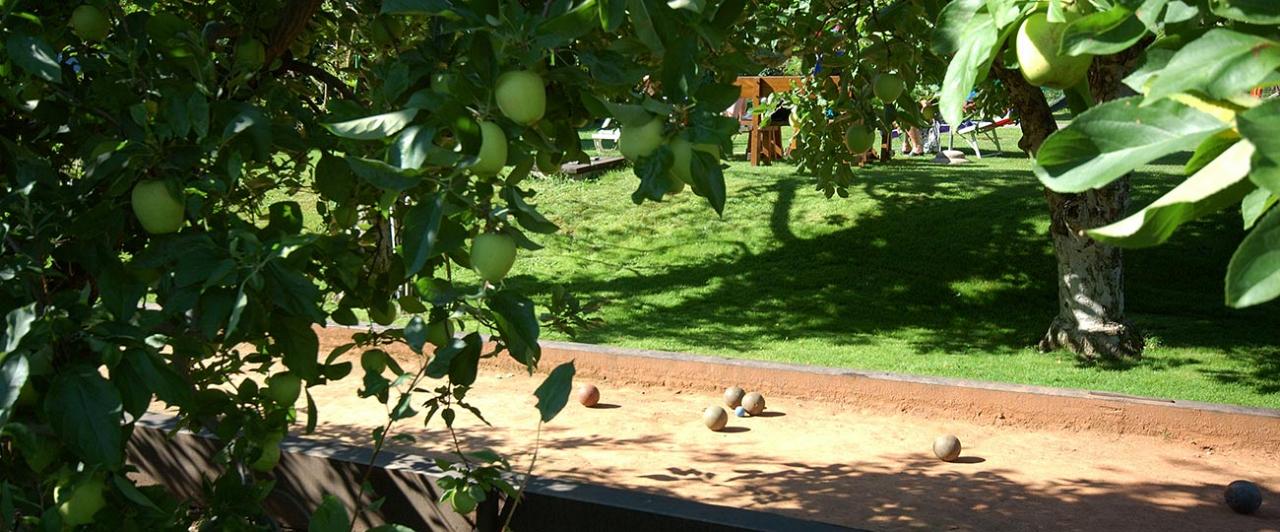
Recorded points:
(189, 189)
(1144, 79)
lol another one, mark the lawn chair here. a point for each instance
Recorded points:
(606, 134)
(970, 131)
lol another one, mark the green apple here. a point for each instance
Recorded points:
(1037, 47)
(682, 157)
(284, 388)
(88, 23)
(522, 96)
(639, 141)
(928, 113)
(492, 255)
(674, 184)
(383, 313)
(85, 499)
(270, 456)
(442, 82)
(439, 333)
(858, 138)
(888, 87)
(251, 54)
(158, 209)
(546, 162)
(385, 30)
(493, 150)
(27, 396)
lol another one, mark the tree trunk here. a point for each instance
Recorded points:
(1091, 320)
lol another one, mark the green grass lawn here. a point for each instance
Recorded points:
(925, 269)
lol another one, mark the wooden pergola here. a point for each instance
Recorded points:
(765, 144)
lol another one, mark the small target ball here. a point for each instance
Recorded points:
(715, 418)
(740, 411)
(1243, 497)
(754, 403)
(946, 448)
(588, 395)
(733, 396)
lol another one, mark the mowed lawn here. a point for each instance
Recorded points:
(924, 269)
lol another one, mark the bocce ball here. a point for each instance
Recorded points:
(1243, 496)
(715, 418)
(946, 448)
(588, 395)
(733, 396)
(754, 403)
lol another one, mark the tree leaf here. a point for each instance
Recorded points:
(1259, 12)
(383, 175)
(708, 179)
(415, 146)
(553, 393)
(35, 56)
(1103, 33)
(422, 7)
(330, 516)
(1261, 126)
(1210, 149)
(442, 362)
(13, 375)
(421, 232)
(953, 21)
(333, 178)
(1110, 140)
(85, 410)
(159, 377)
(17, 323)
(612, 14)
(1221, 183)
(415, 334)
(643, 23)
(1254, 205)
(977, 49)
(131, 492)
(1221, 63)
(518, 324)
(466, 364)
(653, 172)
(1253, 276)
(572, 24)
(1153, 61)
(526, 214)
(373, 127)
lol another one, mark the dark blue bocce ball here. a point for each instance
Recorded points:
(1243, 496)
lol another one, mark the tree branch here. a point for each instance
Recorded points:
(320, 74)
(292, 23)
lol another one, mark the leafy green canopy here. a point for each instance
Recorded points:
(145, 148)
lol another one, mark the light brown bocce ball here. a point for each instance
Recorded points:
(754, 403)
(733, 396)
(588, 395)
(715, 418)
(947, 448)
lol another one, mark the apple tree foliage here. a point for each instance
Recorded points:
(230, 110)
(1199, 63)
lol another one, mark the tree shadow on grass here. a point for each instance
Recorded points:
(949, 260)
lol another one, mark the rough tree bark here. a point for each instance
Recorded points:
(1091, 318)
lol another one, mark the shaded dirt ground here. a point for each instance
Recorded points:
(833, 463)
